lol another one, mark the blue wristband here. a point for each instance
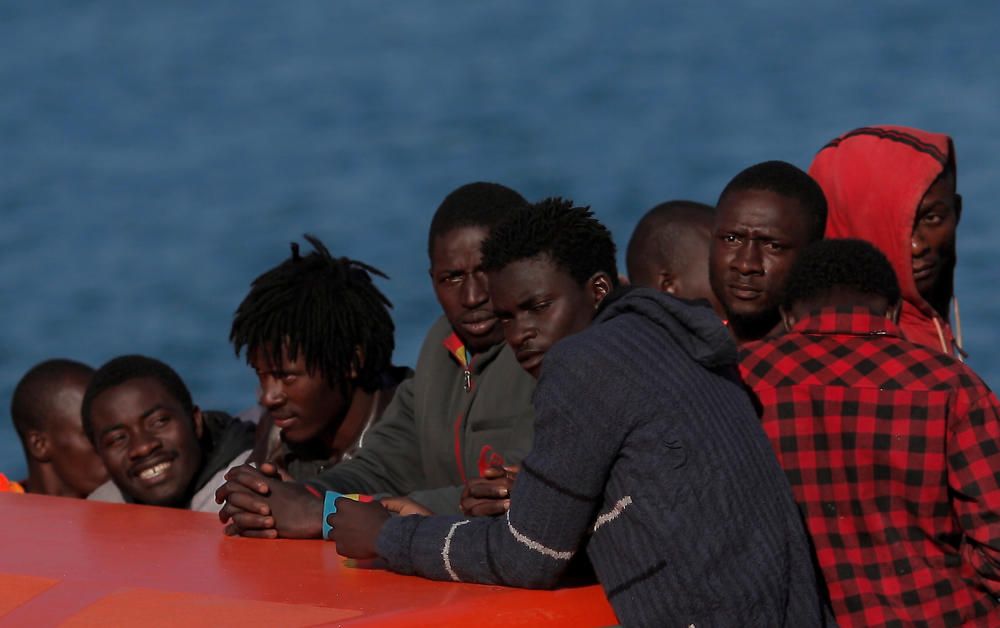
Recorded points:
(329, 508)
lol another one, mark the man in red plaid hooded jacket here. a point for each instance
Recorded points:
(892, 449)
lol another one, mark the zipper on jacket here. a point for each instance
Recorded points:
(467, 380)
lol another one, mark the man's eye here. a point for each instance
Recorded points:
(160, 421)
(774, 246)
(112, 440)
(932, 219)
(730, 238)
(452, 279)
(288, 378)
(538, 307)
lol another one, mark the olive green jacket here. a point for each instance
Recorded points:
(443, 426)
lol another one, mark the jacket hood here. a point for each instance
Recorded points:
(223, 438)
(874, 179)
(694, 327)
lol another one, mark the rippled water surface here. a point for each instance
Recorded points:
(156, 157)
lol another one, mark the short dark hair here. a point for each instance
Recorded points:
(846, 264)
(33, 394)
(126, 368)
(570, 236)
(659, 228)
(323, 306)
(478, 204)
(784, 179)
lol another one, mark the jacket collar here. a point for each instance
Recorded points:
(465, 358)
(852, 321)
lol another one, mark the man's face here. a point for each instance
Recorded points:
(303, 405)
(72, 455)
(539, 304)
(461, 287)
(758, 235)
(933, 238)
(149, 444)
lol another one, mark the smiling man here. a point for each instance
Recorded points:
(319, 336)
(647, 452)
(896, 188)
(159, 448)
(765, 216)
(468, 405)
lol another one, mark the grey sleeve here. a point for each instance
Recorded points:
(389, 462)
(553, 505)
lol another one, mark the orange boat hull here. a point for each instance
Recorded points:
(77, 563)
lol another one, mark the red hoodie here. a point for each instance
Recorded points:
(874, 179)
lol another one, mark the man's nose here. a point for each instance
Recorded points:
(918, 244)
(475, 290)
(519, 332)
(143, 444)
(272, 394)
(747, 259)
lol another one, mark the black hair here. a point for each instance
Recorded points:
(477, 204)
(570, 236)
(32, 397)
(657, 232)
(126, 368)
(324, 307)
(844, 264)
(784, 179)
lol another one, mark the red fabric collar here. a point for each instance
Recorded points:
(854, 321)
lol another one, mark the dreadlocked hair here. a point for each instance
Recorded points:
(325, 307)
(570, 236)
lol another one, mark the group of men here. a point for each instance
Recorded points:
(771, 425)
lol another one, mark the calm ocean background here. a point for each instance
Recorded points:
(156, 157)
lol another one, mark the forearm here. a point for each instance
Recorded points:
(441, 501)
(530, 547)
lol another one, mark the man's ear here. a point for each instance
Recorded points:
(958, 207)
(600, 287)
(892, 313)
(199, 422)
(787, 318)
(38, 446)
(357, 363)
(667, 283)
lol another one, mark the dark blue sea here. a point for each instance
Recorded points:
(156, 157)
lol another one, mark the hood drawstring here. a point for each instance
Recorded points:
(940, 332)
(958, 352)
(958, 327)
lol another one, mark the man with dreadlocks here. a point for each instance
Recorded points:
(467, 407)
(319, 336)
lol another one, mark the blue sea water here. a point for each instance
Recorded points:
(156, 157)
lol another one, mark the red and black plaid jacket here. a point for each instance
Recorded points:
(893, 453)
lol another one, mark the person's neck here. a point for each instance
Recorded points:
(42, 480)
(356, 419)
(745, 331)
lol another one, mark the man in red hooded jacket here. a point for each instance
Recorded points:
(896, 188)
